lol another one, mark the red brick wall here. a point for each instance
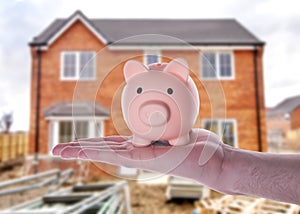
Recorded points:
(53, 90)
(278, 122)
(239, 93)
(83, 170)
(295, 118)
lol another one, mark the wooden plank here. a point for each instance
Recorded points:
(92, 187)
(183, 188)
(276, 207)
(26, 144)
(247, 205)
(6, 152)
(1, 148)
(13, 145)
(19, 145)
(71, 198)
(179, 192)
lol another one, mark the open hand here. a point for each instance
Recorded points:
(201, 160)
(206, 160)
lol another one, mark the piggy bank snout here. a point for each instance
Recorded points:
(154, 113)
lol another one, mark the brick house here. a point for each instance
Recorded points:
(283, 121)
(68, 45)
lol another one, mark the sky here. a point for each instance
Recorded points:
(273, 21)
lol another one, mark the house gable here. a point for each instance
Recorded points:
(59, 27)
(77, 37)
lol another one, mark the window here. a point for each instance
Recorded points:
(151, 57)
(78, 65)
(62, 131)
(68, 133)
(217, 65)
(225, 128)
(287, 117)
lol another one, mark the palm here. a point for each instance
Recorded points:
(201, 160)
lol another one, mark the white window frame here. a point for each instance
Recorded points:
(220, 131)
(87, 125)
(218, 70)
(77, 71)
(151, 52)
(54, 124)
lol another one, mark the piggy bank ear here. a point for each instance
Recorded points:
(133, 67)
(179, 68)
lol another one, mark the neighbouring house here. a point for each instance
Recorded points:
(283, 121)
(70, 45)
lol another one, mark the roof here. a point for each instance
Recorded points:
(69, 109)
(286, 106)
(192, 31)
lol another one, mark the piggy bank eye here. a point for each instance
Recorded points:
(170, 91)
(139, 90)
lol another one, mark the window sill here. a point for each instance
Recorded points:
(218, 79)
(76, 79)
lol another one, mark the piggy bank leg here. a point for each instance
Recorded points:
(182, 140)
(140, 142)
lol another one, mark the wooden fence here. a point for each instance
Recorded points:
(13, 146)
(293, 135)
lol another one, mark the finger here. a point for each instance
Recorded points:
(89, 142)
(56, 150)
(70, 150)
(122, 158)
(108, 138)
(100, 143)
(149, 158)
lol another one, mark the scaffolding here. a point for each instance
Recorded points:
(95, 198)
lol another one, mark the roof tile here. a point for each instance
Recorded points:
(192, 31)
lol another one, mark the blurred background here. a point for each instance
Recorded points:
(47, 47)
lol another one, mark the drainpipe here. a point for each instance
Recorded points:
(258, 115)
(37, 122)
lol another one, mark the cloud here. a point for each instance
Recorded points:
(273, 21)
(19, 22)
(278, 24)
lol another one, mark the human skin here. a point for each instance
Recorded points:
(206, 160)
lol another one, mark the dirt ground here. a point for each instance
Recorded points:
(8, 201)
(152, 199)
(144, 198)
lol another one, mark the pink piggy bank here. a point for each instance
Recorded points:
(159, 102)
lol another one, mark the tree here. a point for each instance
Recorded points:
(6, 121)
